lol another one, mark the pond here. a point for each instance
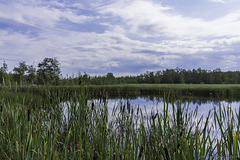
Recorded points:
(143, 127)
(152, 105)
(157, 125)
(157, 104)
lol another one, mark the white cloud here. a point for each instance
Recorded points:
(39, 15)
(147, 19)
(124, 45)
(218, 1)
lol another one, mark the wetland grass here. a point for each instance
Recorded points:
(75, 129)
(215, 91)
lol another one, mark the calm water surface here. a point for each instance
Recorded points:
(157, 104)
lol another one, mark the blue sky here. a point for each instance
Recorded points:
(126, 37)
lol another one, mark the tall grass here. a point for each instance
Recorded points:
(223, 91)
(77, 129)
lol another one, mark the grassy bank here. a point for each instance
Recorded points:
(46, 94)
(75, 129)
(217, 90)
(220, 91)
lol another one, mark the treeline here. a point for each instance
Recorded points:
(168, 76)
(48, 72)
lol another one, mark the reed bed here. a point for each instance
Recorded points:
(223, 91)
(75, 129)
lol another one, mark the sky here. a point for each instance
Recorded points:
(125, 37)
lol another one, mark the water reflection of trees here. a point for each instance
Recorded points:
(183, 100)
(167, 97)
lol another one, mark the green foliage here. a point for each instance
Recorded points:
(75, 129)
(168, 76)
(19, 72)
(4, 68)
(31, 78)
(21, 69)
(48, 71)
(3, 73)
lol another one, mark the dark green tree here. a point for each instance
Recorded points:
(48, 72)
(3, 72)
(110, 79)
(158, 76)
(85, 79)
(4, 68)
(217, 76)
(31, 78)
(19, 72)
(168, 76)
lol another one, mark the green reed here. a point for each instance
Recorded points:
(54, 128)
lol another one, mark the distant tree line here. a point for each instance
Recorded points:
(48, 72)
(168, 76)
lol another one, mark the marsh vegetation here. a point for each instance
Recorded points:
(46, 116)
(65, 123)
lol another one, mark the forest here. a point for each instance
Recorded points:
(48, 72)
